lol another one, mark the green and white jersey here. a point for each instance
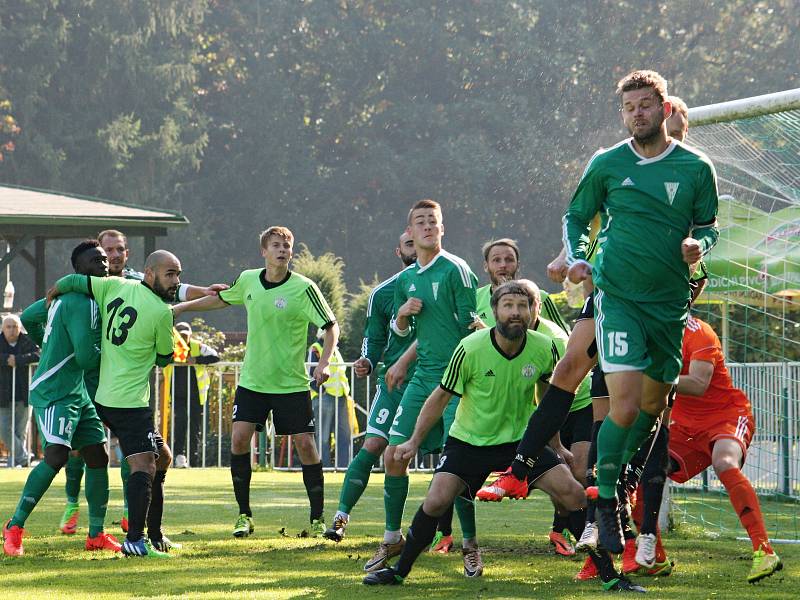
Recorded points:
(136, 334)
(446, 286)
(648, 206)
(278, 316)
(583, 397)
(497, 391)
(548, 308)
(70, 341)
(379, 339)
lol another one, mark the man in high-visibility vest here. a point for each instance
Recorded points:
(329, 402)
(187, 380)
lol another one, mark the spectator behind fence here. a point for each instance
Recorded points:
(188, 380)
(335, 415)
(17, 351)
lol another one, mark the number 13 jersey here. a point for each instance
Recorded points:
(136, 326)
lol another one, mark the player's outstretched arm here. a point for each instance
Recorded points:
(201, 304)
(431, 412)
(194, 292)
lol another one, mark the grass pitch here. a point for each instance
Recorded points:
(278, 562)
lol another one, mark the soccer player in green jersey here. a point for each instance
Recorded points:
(281, 304)
(496, 372)
(379, 343)
(501, 263)
(435, 297)
(62, 405)
(137, 333)
(647, 187)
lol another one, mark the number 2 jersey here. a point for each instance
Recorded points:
(136, 332)
(69, 333)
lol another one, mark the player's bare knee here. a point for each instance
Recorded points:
(375, 445)
(724, 463)
(624, 412)
(395, 468)
(95, 456)
(56, 456)
(164, 459)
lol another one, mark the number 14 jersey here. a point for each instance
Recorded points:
(136, 326)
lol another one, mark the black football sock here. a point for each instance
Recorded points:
(545, 422)
(576, 521)
(560, 522)
(314, 480)
(419, 537)
(139, 493)
(653, 479)
(605, 565)
(445, 525)
(241, 472)
(156, 511)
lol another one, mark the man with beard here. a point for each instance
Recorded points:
(61, 395)
(646, 187)
(496, 372)
(379, 343)
(136, 334)
(501, 263)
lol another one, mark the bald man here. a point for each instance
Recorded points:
(136, 334)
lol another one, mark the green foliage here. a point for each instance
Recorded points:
(356, 319)
(327, 271)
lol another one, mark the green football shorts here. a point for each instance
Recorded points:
(71, 421)
(640, 336)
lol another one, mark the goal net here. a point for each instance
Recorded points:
(753, 301)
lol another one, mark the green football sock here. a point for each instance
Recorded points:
(74, 472)
(611, 440)
(36, 485)
(124, 473)
(395, 491)
(466, 517)
(97, 498)
(637, 434)
(356, 479)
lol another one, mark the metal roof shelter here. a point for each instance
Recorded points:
(30, 215)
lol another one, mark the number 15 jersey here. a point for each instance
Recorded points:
(136, 327)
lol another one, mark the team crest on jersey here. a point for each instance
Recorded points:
(672, 189)
(280, 303)
(528, 371)
(435, 286)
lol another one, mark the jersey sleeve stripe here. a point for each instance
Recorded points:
(555, 353)
(552, 311)
(317, 303)
(463, 271)
(454, 369)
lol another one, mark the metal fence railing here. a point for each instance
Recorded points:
(773, 461)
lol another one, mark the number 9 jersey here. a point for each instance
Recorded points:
(136, 330)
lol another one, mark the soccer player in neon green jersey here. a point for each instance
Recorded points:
(280, 304)
(436, 298)
(496, 371)
(379, 343)
(62, 405)
(501, 263)
(647, 187)
(115, 244)
(137, 333)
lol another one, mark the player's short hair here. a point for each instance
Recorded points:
(511, 287)
(112, 233)
(425, 203)
(281, 232)
(501, 242)
(80, 249)
(679, 106)
(638, 80)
